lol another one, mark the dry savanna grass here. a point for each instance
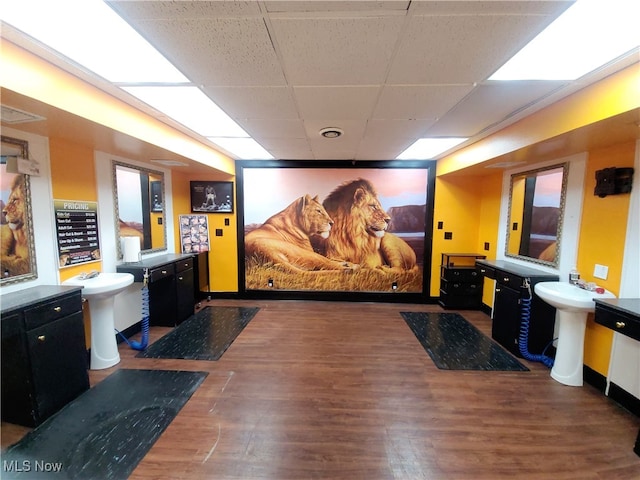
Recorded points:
(257, 276)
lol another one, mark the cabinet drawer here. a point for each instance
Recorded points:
(461, 288)
(618, 322)
(183, 265)
(460, 274)
(486, 271)
(53, 310)
(508, 279)
(161, 272)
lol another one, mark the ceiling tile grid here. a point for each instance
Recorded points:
(386, 72)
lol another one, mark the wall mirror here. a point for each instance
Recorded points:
(17, 246)
(139, 207)
(536, 209)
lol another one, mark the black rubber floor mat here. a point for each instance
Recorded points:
(205, 336)
(455, 344)
(106, 431)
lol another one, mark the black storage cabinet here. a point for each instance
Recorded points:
(44, 356)
(171, 287)
(507, 306)
(460, 282)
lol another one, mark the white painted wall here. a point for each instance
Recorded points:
(42, 214)
(624, 366)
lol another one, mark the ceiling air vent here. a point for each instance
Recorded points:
(15, 115)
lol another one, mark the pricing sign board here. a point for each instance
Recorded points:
(77, 232)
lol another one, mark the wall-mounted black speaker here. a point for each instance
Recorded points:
(613, 181)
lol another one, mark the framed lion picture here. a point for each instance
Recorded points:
(332, 229)
(17, 246)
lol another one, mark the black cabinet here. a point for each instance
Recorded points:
(171, 286)
(185, 289)
(460, 283)
(44, 358)
(507, 314)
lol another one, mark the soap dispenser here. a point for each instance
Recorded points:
(574, 276)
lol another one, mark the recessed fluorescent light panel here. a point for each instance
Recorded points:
(190, 107)
(428, 148)
(244, 148)
(588, 35)
(91, 34)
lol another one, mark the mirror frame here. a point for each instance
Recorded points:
(563, 193)
(116, 210)
(23, 146)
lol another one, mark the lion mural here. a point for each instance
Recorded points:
(14, 252)
(285, 238)
(360, 230)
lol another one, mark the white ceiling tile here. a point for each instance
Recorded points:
(334, 6)
(156, 9)
(254, 102)
(500, 7)
(217, 51)
(287, 148)
(274, 128)
(460, 49)
(490, 104)
(423, 101)
(387, 130)
(336, 102)
(337, 51)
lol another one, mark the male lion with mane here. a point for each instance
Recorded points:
(360, 231)
(14, 253)
(284, 239)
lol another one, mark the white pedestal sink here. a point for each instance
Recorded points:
(572, 304)
(100, 292)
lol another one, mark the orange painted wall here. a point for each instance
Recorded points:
(73, 178)
(491, 193)
(458, 206)
(602, 236)
(223, 254)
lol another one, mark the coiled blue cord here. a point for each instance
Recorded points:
(144, 341)
(523, 339)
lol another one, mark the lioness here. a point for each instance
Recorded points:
(14, 250)
(360, 231)
(284, 239)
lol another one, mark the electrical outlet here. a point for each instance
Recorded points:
(486, 246)
(440, 225)
(448, 235)
(601, 271)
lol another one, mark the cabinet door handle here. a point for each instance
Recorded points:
(41, 338)
(57, 309)
(505, 279)
(620, 325)
(180, 278)
(164, 272)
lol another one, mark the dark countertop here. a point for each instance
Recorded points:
(517, 269)
(154, 262)
(20, 299)
(630, 306)
(137, 268)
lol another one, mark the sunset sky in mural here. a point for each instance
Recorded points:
(268, 191)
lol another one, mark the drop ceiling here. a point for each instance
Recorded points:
(384, 72)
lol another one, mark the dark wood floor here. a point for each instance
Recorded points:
(325, 390)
